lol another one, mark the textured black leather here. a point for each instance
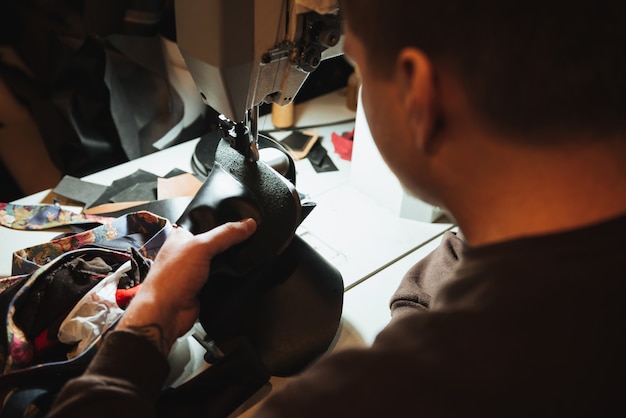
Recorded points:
(235, 189)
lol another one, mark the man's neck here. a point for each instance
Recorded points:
(542, 191)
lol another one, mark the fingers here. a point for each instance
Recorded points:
(184, 251)
(221, 238)
(181, 232)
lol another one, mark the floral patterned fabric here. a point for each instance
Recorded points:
(143, 230)
(37, 217)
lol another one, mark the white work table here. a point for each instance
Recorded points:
(371, 246)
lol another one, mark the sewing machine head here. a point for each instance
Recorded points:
(242, 53)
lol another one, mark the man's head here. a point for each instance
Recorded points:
(526, 65)
(509, 114)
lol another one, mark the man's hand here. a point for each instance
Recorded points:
(166, 306)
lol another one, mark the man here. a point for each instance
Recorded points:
(510, 115)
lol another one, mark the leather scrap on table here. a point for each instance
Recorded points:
(141, 191)
(79, 190)
(182, 185)
(319, 159)
(119, 185)
(165, 196)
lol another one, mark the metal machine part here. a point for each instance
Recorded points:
(242, 53)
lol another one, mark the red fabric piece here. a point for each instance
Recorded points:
(343, 144)
(124, 296)
(43, 343)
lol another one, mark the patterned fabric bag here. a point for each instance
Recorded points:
(36, 306)
(54, 281)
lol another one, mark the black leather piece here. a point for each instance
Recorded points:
(79, 190)
(289, 310)
(119, 185)
(236, 189)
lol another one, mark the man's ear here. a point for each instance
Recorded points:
(416, 74)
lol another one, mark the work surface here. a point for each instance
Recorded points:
(371, 246)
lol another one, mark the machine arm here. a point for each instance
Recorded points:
(242, 53)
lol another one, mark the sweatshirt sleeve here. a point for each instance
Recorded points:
(425, 278)
(124, 379)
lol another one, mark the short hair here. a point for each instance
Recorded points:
(527, 65)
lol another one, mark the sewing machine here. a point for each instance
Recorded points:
(244, 53)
